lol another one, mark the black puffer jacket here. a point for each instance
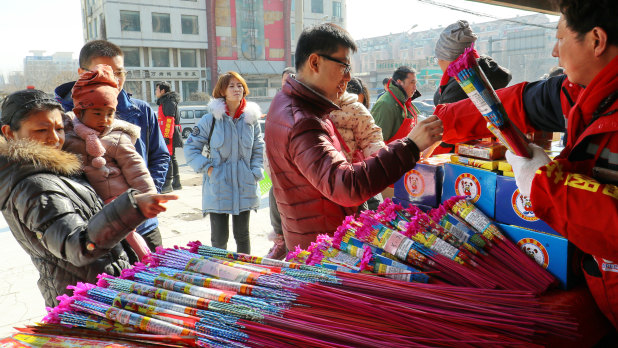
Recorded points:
(499, 77)
(54, 214)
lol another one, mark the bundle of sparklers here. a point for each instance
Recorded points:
(208, 297)
(454, 244)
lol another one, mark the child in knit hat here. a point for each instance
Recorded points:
(110, 161)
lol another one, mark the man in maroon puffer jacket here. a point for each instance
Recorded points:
(315, 187)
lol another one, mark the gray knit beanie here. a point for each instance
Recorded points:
(454, 40)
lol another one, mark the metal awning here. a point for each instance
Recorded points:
(251, 67)
(544, 6)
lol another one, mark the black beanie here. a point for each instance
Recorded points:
(17, 105)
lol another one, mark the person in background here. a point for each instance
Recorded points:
(358, 87)
(581, 182)
(384, 83)
(233, 137)
(314, 185)
(52, 211)
(394, 112)
(169, 122)
(278, 251)
(150, 144)
(105, 145)
(453, 40)
(287, 72)
(355, 128)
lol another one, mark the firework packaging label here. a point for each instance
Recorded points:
(421, 185)
(477, 185)
(554, 253)
(513, 208)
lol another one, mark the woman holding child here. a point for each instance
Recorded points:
(52, 211)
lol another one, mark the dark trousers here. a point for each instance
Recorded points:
(173, 176)
(220, 231)
(153, 239)
(275, 217)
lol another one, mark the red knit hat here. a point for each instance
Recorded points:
(96, 88)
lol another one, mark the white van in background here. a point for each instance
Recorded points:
(190, 115)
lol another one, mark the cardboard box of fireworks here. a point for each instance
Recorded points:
(422, 185)
(513, 208)
(552, 252)
(478, 185)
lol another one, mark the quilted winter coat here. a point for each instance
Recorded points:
(314, 185)
(124, 167)
(236, 156)
(54, 214)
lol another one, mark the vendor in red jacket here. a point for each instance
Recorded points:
(577, 192)
(314, 185)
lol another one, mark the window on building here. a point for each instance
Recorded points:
(131, 56)
(317, 6)
(188, 88)
(96, 27)
(160, 57)
(337, 9)
(134, 88)
(129, 21)
(188, 58)
(189, 24)
(161, 23)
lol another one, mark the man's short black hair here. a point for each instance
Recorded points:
(402, 73)
(164, 86)
(324, 38)
(385, 80)
(97, 48)
(583, 15)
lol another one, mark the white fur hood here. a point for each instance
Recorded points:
(252, 111)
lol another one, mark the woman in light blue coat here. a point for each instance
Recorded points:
(230, 156)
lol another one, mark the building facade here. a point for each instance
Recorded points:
(45, 72)
(522, 44)
(162, 40)
(190, 42)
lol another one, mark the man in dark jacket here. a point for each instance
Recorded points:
(169, 122)
(150, 145)
(314, 185)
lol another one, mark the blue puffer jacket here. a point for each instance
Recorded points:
(236, 156)
(151, 145)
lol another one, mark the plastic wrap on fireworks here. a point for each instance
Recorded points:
(518, 269)
(130, 286)
(474, 82)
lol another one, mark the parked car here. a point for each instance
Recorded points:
(424, 108)
(190, 115)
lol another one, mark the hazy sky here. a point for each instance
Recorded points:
(56, 25)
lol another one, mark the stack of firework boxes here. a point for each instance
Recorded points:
(479, 171)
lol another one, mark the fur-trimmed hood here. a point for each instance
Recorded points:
(22, 158)
(251, 113)
(169, 96)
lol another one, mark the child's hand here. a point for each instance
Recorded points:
(150, 204)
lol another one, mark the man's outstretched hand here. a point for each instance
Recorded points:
(426, 132)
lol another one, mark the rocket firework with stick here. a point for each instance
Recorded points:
(473, 81)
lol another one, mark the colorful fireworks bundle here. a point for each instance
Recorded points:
(467, 72)
(208, 297)
(454, 244)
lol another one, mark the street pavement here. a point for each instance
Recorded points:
(21, 302)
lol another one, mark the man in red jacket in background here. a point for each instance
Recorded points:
(314, 186)
(577, 192)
